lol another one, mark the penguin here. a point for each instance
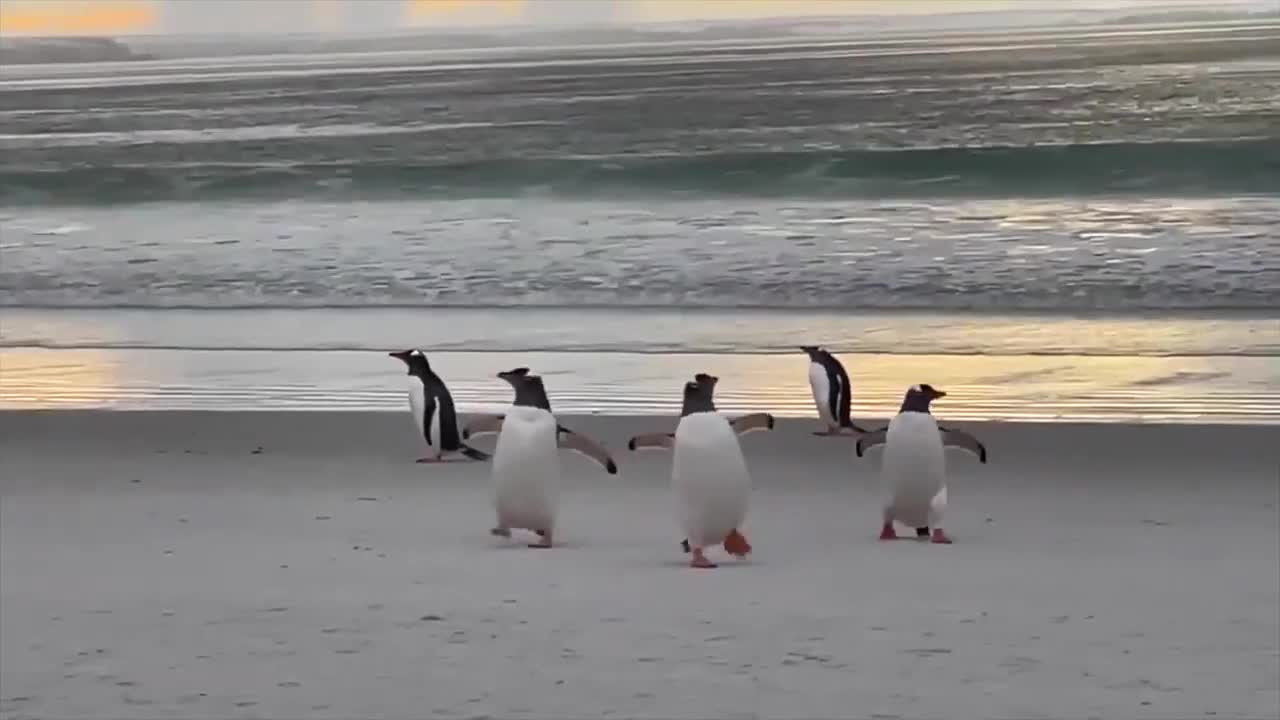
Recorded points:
(914, 464)
(709, 476)
(526, 464)
(565, 438)
(743, 424)
(433, 410)
(832, 393)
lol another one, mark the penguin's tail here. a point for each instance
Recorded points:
(471, 452)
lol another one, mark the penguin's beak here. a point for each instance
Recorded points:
(939, 394)
(400, 355)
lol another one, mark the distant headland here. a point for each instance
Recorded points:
(30, 51)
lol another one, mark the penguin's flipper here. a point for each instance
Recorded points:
(748, 423)
(483, 425)
(866, 441)
(965, 441)
(570, 440)
(471, 452)
(660, 441)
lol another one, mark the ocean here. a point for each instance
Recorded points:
(1068, 224)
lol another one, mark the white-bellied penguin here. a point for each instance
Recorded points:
(743, 424)
(433, 411)
(914, 464)
(536, 391)
(832, 394)
(526, 461)
(709, 476)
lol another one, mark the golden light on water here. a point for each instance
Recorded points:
(37, 379)
(112, 17)
(76, 17)
(677, 10)
(1019, 387)
(467, 11)
(327, 15)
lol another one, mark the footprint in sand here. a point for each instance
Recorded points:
(928, 652)
(1020, 663)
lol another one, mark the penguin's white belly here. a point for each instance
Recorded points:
(709, 477)
(435, 428)
(914, 467)
(821, 387)
(526, 470)
(417, 402)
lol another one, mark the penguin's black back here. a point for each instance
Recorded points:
(840, 395)
(436, 392)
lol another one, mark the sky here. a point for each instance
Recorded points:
(122, 17)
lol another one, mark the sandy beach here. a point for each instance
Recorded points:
(201, 565)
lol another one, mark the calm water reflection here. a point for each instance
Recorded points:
(1196, 389)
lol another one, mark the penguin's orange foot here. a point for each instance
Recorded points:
(700, 560)
(735, 544)
(939, 537)
(887, 532)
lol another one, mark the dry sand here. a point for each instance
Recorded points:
(290, 565)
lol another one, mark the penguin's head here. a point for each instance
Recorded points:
(919, 396)
(415, 360)
(699, 394)
(811, 351)
(529, 388)
(516, 375)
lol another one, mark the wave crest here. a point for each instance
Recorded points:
(1241, 166)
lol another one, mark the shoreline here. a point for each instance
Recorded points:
(388, 437)
(14, 416)
(1233, 390)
